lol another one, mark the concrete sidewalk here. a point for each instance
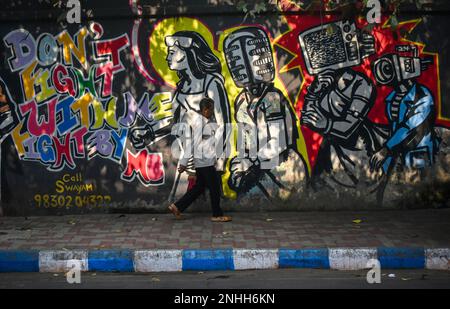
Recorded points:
(293, 230)
(148, 243)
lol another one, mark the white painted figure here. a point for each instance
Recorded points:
(266, 121)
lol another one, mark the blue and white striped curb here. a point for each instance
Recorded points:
(222, 259)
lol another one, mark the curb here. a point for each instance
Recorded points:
(222, 259)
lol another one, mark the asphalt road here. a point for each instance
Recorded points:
(262, 279)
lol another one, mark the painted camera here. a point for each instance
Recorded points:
(394, 68)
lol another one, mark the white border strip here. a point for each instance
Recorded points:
(351, 259)
(437, 259)
(255, 259)
(158, 260)
(60, 260)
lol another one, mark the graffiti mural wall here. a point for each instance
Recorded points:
(93, 115)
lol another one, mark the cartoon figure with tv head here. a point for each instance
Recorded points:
(410, 110)
(339, 98)
(266, 120)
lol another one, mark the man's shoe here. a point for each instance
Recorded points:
(173, 209)
(221, 219)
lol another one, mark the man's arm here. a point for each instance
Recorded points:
(192, 138)
(217, 93)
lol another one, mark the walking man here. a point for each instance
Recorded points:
(202, 145)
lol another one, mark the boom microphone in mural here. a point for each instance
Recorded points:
(266, 121)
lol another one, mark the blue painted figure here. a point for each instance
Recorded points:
(410, 109)
(411, 117)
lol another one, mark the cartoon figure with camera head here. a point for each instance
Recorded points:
(410, 110)
(266, 121)
(339, 99)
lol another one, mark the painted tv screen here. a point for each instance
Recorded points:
(325, 49)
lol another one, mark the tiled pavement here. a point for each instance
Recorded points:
(296, 230)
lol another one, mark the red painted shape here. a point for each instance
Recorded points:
(63, 151)
(386, 40)
(63, 83)
(37, 124)
(147, 166)
(112, 48)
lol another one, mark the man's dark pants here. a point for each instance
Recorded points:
(207, 177)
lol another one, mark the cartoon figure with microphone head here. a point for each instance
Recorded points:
(266, 121)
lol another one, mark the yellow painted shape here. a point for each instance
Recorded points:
(69, 46)
(28, 78)
(46, 91)
(82, 105)
(161, 106)
(107, 115)
(18, 138)
(158, 54)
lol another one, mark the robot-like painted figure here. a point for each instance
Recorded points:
(339, 98)
(266, 121)
(410, 110)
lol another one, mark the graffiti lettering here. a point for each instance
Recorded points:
(146, 166)
(70, 112)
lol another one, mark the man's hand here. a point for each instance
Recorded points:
(181, 168)
(377, 160)
(315, 119)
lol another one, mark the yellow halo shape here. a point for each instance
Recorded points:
(158, 48)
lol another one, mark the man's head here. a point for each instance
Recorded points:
(207, 107)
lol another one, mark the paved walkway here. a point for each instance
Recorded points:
(294, 230)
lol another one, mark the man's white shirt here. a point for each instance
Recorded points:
(201, 142)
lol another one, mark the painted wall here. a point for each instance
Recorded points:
(323, 113)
